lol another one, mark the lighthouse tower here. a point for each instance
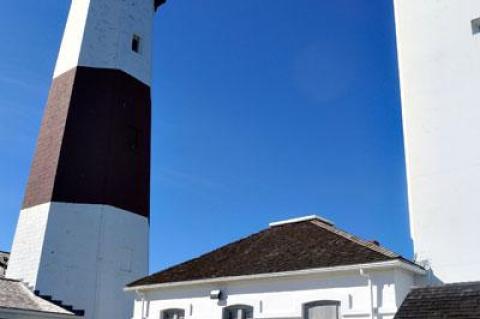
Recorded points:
(82, 233)
(439, 63)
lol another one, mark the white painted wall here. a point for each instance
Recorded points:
(89, 253)
(28, 244)
(440, 76)
(283, 297)
(99, 34)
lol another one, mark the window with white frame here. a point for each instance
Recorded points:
(173, 314)
(324, 309)
(238, 312)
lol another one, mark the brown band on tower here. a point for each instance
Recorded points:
(94, 143)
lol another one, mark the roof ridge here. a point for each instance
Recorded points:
(356, 239)
(9, 279)
(31, 294)
(38, 300)
(202, 255)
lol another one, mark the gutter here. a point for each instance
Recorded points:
(396, 263)
(37, 314)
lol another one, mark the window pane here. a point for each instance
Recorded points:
(230, 314)
(173, 314)
(322, 312)
(238, 312)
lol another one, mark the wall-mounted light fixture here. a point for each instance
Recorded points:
(216, 294)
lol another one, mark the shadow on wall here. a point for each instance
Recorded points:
(430, 279)
(4, 256)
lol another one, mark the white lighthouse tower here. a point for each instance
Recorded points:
(439, 62)
(82, 234)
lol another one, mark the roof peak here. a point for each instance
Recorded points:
(301, 219)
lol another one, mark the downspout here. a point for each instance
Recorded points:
(142, 296)
(370, 286)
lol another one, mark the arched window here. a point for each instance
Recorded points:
(173, 314)
(324, 309)
(238, 312)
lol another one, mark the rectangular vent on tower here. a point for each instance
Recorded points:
(136, 43)
(476, 26)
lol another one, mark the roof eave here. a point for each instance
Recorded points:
(396, 263)
(38, 314)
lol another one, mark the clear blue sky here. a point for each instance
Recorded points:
(263, 110)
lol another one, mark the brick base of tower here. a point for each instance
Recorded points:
(82, 254)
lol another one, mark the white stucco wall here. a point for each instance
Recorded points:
(283, 297)
(89, 253)
(440, 75)
(99, 34)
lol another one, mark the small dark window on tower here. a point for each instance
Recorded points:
(476, 26)
(136, 43)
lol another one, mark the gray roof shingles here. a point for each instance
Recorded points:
(16, 296)
(288, 247)
(452, 301)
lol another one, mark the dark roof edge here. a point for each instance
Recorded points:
(43, 312)
(453, 284)
(9, 279)
(368, 244)
(396, 262)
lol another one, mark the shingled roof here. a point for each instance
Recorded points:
(306, 244)
(450, 301)
(15, 296)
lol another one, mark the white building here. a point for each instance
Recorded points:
(438, 52)
(302, 268)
